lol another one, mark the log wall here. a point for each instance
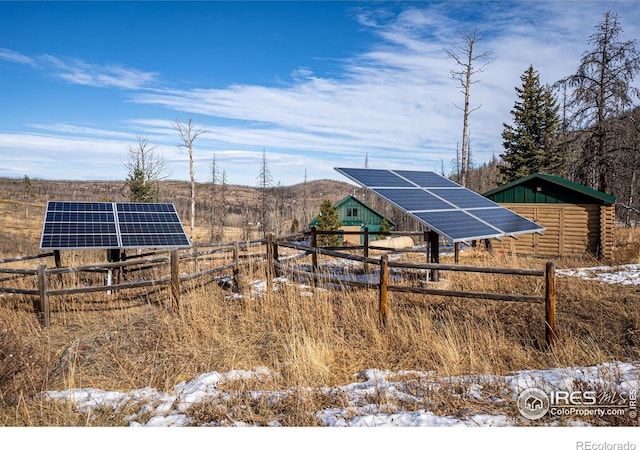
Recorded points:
(570, 230)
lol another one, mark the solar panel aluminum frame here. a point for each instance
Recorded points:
(80, 234)
(398, 181)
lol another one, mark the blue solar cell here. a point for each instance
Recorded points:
(426, 179)
(151, 228)
(457, 225)
(506, 220)
(77, 241)
(154, 240)
(76, 216)
(146, 207)
(463, 198)
(412, 199)
(79, 228)
(375, 178)
(142, 217)
(79, 206)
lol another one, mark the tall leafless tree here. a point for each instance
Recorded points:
(468, 64)
(188, 133)
(305, 201)
(602, 89)
(223, 202)
(265, 181)
(215, 200)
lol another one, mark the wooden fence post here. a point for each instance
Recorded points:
(427, 248)
(58, 261)
(276, 259)
(366, 249)
(43, 305)
(384, 282)
(550, 304)
(195, 256)
(269, 269)
(175, 280)
(238, 281)
(314, 255)
(434, 246)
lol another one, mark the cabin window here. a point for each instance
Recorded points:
(352, 212)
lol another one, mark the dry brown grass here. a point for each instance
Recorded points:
(311, 341)
(123, 342)
(627, 245)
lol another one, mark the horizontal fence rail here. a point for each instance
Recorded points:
(118, 271)
(383, 285)
(275, 257)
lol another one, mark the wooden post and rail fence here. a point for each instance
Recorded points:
(433, 267)
(141, 263)
(275, 266)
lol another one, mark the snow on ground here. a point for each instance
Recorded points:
(374, 400)
(628, 274)
(376, 397)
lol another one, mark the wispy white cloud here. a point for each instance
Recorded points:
(82, 73)
(395, 102)
(70, 129)
(15, 57)
(79, 72)
(63, 157)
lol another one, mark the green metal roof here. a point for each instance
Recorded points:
(545, 188)
(368, 217)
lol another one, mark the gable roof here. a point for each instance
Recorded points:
(580, 190)
(352, 198)
(364, 205)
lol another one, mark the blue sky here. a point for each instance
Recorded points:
(315, 85)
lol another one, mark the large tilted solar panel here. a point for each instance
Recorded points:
(444, 206)
(97, 225)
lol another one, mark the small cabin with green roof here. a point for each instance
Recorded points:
(355, 216)
(578, 220)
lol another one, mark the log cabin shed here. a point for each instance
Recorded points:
(355, 215)
(578, 220)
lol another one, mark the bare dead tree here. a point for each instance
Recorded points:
(223, 202)
(468, 65)
(188, 133)
(265, 181)
(305, 200)
(215, 192)
(602, 90)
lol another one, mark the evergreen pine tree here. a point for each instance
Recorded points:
(528, 141)
(140, 189)
(328, 220)
(384, 228)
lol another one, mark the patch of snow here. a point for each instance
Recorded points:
(627, 274)
(376, 399)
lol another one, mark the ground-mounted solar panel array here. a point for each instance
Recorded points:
(100, 225)
(454, 212)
